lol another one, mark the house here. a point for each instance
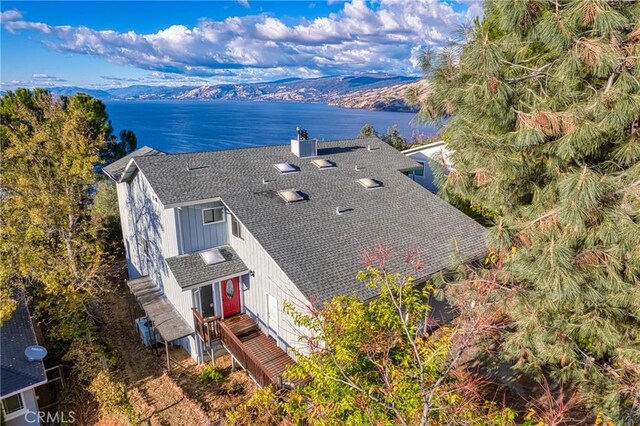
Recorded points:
(432, 157)
(21, 368)
(217, 242)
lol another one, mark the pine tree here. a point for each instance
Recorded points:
(542, 101)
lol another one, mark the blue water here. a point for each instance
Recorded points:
(187, 126)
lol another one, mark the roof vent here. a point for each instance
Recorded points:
(290, 195)
(369, 183)
(35, 353)
(211, 257)
(302, 147)
(321, 163)
(285, 168)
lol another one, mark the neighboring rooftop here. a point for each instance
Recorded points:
(115, 169)
(191, 269)
(16, 334)
(319, 250)
(421, 147)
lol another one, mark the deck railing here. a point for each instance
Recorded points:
(207, 328)
(249, 362)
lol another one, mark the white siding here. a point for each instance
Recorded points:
(270, 279)
(141, 218)
(29, 415)
(431, 156)
(144, 219)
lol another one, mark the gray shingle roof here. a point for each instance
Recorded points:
(16, 334)
(319, 250)
(115, 169)
(190, 269)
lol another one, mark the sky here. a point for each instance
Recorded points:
(114, 44)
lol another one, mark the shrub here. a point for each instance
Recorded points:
(211, 374)
(111, 396)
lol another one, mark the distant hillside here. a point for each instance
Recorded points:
(368, 91)
(390, 98)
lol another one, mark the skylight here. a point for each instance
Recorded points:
(211, 257)
(321, 163)
(286, 168)
(290, 195)
(369, 183)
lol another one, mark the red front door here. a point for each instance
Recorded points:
(230, 290)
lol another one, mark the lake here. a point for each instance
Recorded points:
(187, 126)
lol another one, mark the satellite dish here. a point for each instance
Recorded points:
(35, 353)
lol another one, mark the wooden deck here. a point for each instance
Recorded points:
(258, 354)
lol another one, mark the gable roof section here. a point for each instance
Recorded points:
(16, 334)
(319, 250)
(115, 169)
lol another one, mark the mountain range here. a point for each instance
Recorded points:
(367, 91)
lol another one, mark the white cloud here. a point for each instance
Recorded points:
(10, 15)
(37, 80)
(360, 38)
(244, 3)
(46, 79)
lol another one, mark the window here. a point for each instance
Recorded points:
(285, 168)
(236, 228)
(290, 196)
(213, 215)
(369, 183)
(421, 171)
(211, 257)
(321, 163)
(154, 199)
(12, 404)
(145, 247)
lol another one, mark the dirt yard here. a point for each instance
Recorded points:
(159, 398)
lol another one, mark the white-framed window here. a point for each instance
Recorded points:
(12, 406)
(213, 215)
(419, 172)
(145, 247)
(154, 199)
(236, 228)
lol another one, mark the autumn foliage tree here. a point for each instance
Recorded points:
(383, 361)
(542, 101)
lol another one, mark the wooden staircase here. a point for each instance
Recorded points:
(258, 354)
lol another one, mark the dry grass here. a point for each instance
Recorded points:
(178, 398)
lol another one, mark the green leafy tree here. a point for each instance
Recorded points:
(395, 139)
(106, 216)
(49, 148)
(117, 148)
(378, 362)
(49, 244)
(543, 106)
(367, 131)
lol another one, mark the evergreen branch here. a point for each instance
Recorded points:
(544, 216)
(612, 78)
(536, 73)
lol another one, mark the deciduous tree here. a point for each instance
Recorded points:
(383, 362)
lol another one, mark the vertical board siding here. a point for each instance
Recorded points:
(141, 218)
(269, 278)
(196, 235)
(122, 190)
